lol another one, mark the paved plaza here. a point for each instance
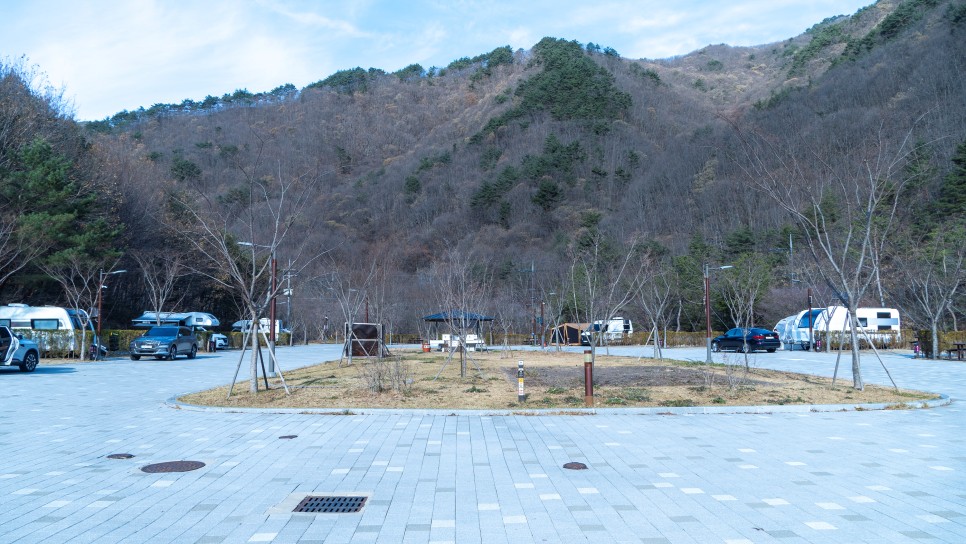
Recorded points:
(667, 476)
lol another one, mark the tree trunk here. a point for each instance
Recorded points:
(856, 363)
(934, 325)
(253, 386)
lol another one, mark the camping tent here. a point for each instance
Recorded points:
(567, 333)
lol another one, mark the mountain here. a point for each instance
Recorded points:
(514, 154)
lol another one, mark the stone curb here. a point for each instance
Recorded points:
(943, 400)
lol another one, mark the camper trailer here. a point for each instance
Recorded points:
(879, 324)
(609, 330)
(52, 327)
(194, 320)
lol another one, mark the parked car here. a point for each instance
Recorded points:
(747, 340)
(221, 341)
(17, 350)
(165, 342)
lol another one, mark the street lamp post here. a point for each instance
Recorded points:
(100, 287)
(707, 304)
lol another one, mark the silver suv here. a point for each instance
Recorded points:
(17, 350)
(165, 342)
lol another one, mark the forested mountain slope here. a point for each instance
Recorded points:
(517, 156)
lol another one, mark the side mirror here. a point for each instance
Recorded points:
(19, 336)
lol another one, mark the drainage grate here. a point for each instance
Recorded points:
(331, 505)
(575, 466)
(120, 456)
(173, 466)
(288, 436)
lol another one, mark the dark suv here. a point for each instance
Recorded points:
(165, 342)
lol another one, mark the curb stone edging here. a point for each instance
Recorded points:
(943, 400)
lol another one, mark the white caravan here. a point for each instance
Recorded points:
(879, 324)
(612, 329)
(184, 319)
(52, 327)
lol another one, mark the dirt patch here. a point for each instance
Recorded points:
(649, 375)
(551, 380)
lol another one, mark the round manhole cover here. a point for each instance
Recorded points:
(120, 456)
(173, 466)
(575, 466)
(288, 437)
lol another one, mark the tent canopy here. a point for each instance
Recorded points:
(457, 316)
(567, 333)
(458, 320)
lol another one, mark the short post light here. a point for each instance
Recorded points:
(100, 287)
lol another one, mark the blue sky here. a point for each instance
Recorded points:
(112, 55)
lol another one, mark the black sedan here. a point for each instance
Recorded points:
(747, 340)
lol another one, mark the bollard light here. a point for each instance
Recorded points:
(521, 396)
(588, 378)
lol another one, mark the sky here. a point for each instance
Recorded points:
(106, 56)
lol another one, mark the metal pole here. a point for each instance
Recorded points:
(521, 396)
(288, 302)
(271, 319)
(97, 339)
(707, 310)
(811, 339)
(543, 327)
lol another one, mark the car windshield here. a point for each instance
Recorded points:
(162, 331)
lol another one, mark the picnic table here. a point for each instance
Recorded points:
(959, 350)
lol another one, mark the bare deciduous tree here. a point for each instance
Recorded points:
(237, 232)
(159, 273)
(930, 272)
(79, 277)
(460, 285)
(844, 195)
(604, 279)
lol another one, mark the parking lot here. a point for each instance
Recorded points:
(794, 475)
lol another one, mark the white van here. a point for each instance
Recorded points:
(52, 327)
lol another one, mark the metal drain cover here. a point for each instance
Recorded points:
(173, 466)
(331, 505)
(575, 466)
(288, 436)
(120, 456)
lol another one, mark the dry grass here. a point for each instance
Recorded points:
(552, 380)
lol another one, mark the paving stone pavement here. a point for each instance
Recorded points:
(886, 476)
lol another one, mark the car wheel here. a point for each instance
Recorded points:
(29, 362)
(193, 352)
(135, 357)
(715, 347)
(772, 350)
(173, 353)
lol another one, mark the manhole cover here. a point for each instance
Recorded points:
(173, 466)
(120, 456)
(575, 466)
(331, 505)
(288, 437)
